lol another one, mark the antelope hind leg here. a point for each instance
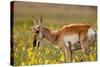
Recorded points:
(85, 48)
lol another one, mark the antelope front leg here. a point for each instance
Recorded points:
(68, 53)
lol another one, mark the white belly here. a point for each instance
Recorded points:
(71, 38)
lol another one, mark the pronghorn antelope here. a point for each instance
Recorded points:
(69, 37)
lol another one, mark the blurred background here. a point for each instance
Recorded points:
(54, 13)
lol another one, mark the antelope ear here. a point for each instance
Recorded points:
(30, 28)
(34, 20)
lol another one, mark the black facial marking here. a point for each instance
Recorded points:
(37, 31)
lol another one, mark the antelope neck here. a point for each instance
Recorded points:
(49, 35)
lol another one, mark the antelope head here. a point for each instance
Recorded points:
(37, 31)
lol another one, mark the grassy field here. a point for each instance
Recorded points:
(54, 17)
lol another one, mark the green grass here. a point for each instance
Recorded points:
(54, 17)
